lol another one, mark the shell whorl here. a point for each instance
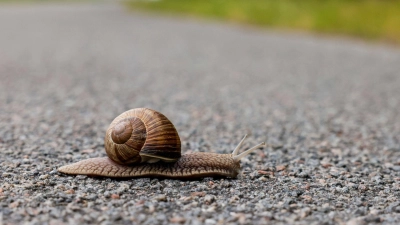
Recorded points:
(140, 135)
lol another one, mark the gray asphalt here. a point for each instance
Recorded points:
(329, 106)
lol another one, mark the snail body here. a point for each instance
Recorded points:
(144, 143)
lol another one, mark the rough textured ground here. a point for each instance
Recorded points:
(329, 107)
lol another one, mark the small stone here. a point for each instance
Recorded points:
(161, 217)
(374, 211)
(210, 221)
(209, 198)
(140, 202)
(234, 199)
(337, 151)
(355, 221)
(87, 151)
(110, 186)
(263, 178)
(325, 205)
(107, 194)
(241, 217)
(303, 175)
(307, 198)
(115, 196)
(326, 164)
(152, 208)
(14, 205)
(200, 194)
(362, 188)
(280, 167)
(177, 219)
(263, 172)
(161, 198)
(81, 177)
(42, 177)
(70, 191)
(321, 181)
(210, 209)
(186, 199)
(7, 175)
(305, 212)
(396, 168)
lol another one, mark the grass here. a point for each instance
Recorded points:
(368, 19)
(38, 1)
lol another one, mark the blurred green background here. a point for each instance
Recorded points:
(367, 19)
(377, 20)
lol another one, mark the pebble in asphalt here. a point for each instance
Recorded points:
(329, 106)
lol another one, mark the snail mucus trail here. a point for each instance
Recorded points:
(144, 143)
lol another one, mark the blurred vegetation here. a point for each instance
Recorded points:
(370, 19)
(39, 1)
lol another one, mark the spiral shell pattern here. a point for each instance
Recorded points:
(142, 134)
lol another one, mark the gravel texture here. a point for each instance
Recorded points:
(329, 107)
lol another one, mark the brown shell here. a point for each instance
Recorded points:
(140, 135)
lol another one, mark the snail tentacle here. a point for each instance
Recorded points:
(235, 152)
(243, 154)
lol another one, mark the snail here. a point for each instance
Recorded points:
(144, 143)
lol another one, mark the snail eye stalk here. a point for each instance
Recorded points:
(237, 157)
(235, 152)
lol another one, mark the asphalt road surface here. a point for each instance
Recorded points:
(330, 107)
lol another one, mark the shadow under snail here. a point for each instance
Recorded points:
(144, 143)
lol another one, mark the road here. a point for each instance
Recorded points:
(329, 106)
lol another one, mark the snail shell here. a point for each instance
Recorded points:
(142, 135)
